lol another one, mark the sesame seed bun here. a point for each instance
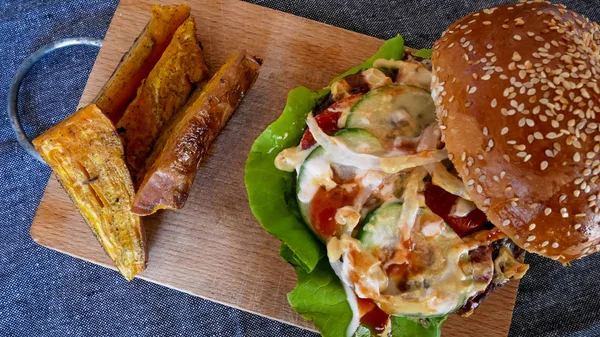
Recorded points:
(518, 102)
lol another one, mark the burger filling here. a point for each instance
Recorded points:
(374, 183)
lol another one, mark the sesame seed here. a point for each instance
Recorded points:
(576, 157)
(504, 130)
(555, 245)
(506, 222)
(531, 238)
(564, 213)
(544, 165)
(472, 90)
(545, 243)
(485, 131)
(577, 226)
(547, 211)
(487, 23)
(516, 37)
(516, 57)
(532, 227)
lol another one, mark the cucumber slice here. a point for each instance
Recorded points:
(435, 264)
(397, 110)
(380, 227)
(360, 141)
(317, 164)
(312, 166)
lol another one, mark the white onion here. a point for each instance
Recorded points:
(446, 180)
(401, 163)
(338, 151)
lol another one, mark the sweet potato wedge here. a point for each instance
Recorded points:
(160, 96)
(86, 154)
(139, 60)
(174, 162)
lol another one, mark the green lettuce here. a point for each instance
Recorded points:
(402, 327)
(423, 53)
(319, 295)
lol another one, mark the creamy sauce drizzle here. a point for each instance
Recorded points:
(441, 257)
(291, 159)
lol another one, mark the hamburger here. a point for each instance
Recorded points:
(424, 176)
(517, 95)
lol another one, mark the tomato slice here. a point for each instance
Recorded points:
(373, 317)
(440, 202)
(328, 120)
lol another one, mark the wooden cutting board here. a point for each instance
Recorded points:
(214, 248)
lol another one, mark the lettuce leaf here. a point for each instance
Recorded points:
(271, 192)
(319, 294)
(320, 297)
(391, 49)
(430, 327)
(403, 327)
(423, 53)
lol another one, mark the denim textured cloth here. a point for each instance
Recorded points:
(45, 293)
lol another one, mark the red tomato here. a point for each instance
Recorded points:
(440, 202)
(327, 121)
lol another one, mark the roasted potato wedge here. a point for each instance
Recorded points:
(166, 89)
(139, 60)
(174, 162)
(86, 154)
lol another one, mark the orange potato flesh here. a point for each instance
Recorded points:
(86, 155)
(139, 60)
(164, 91)
(182, 145)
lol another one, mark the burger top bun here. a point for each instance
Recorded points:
(518, 102)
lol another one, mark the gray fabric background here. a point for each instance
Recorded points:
(45, 293)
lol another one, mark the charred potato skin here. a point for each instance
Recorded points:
(139, 60)
(162, 94)
(178, 153)
(86, 155)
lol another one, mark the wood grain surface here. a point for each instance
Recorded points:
(214, 248)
